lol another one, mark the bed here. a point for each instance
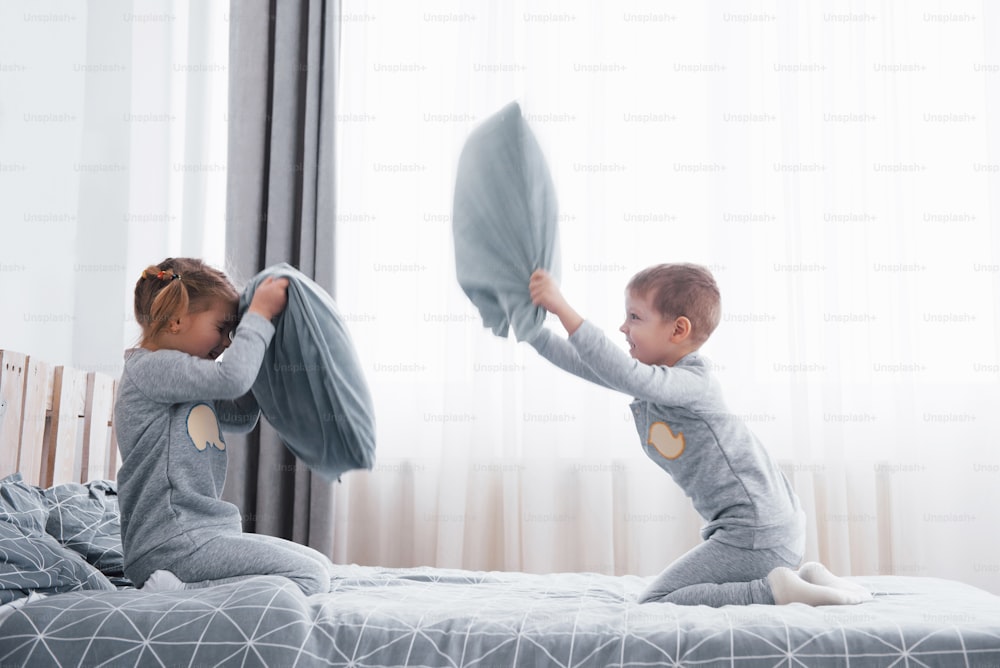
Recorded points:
(57, 447)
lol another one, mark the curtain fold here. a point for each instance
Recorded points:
(280, 208)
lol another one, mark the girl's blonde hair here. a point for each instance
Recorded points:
(177, 286)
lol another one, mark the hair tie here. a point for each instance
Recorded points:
(162, 275)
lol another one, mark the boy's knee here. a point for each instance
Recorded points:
(652, 593)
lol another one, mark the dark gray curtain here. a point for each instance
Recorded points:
(283, 57)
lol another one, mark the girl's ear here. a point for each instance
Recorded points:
(175, 325)
(682, 330)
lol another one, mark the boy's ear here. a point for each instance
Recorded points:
(682, 329)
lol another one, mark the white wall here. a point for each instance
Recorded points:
(112, 157)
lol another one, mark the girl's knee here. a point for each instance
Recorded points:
(315, 581)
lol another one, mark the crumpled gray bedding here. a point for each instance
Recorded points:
(439, 617)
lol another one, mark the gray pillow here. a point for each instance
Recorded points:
(30, 559)
(310, 386)
(504, 222)
(87, 520)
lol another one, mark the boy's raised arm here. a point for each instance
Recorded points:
(545, 293)
(588, 353)
(660, 384)
(558, 351)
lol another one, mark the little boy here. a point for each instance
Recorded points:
(755, 529)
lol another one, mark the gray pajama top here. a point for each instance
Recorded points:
(170, 410)
(685, 427)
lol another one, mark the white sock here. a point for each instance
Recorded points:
(788, 587)
(818, 574)
(162, 581)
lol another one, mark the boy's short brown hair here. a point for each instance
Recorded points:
(682, 289)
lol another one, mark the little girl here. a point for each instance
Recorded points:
(173, 397)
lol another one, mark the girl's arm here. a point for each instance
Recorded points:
(171, 376)
(238, 415)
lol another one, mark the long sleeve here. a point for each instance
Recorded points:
(238, 415)
(677, 385)
(171, 376)
(559, 351)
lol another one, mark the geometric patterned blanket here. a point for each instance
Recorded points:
(440, 617)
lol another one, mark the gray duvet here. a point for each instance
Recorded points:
(435, 617)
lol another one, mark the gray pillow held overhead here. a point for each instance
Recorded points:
(310, 386)
(504, 222)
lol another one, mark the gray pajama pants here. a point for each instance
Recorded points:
(717, 574)
(230, 558)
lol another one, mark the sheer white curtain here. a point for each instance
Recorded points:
(113, 133)
(836, 169)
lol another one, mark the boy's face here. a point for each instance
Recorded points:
(648, 333)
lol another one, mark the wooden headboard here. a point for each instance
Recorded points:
(55, 422)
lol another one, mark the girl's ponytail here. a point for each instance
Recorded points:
(175, 287)
(170, 300)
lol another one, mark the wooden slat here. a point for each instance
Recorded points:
(37, 404)
(97, 455)
(116, 455)
(56, 422)
(62, 452)
(11, 405)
